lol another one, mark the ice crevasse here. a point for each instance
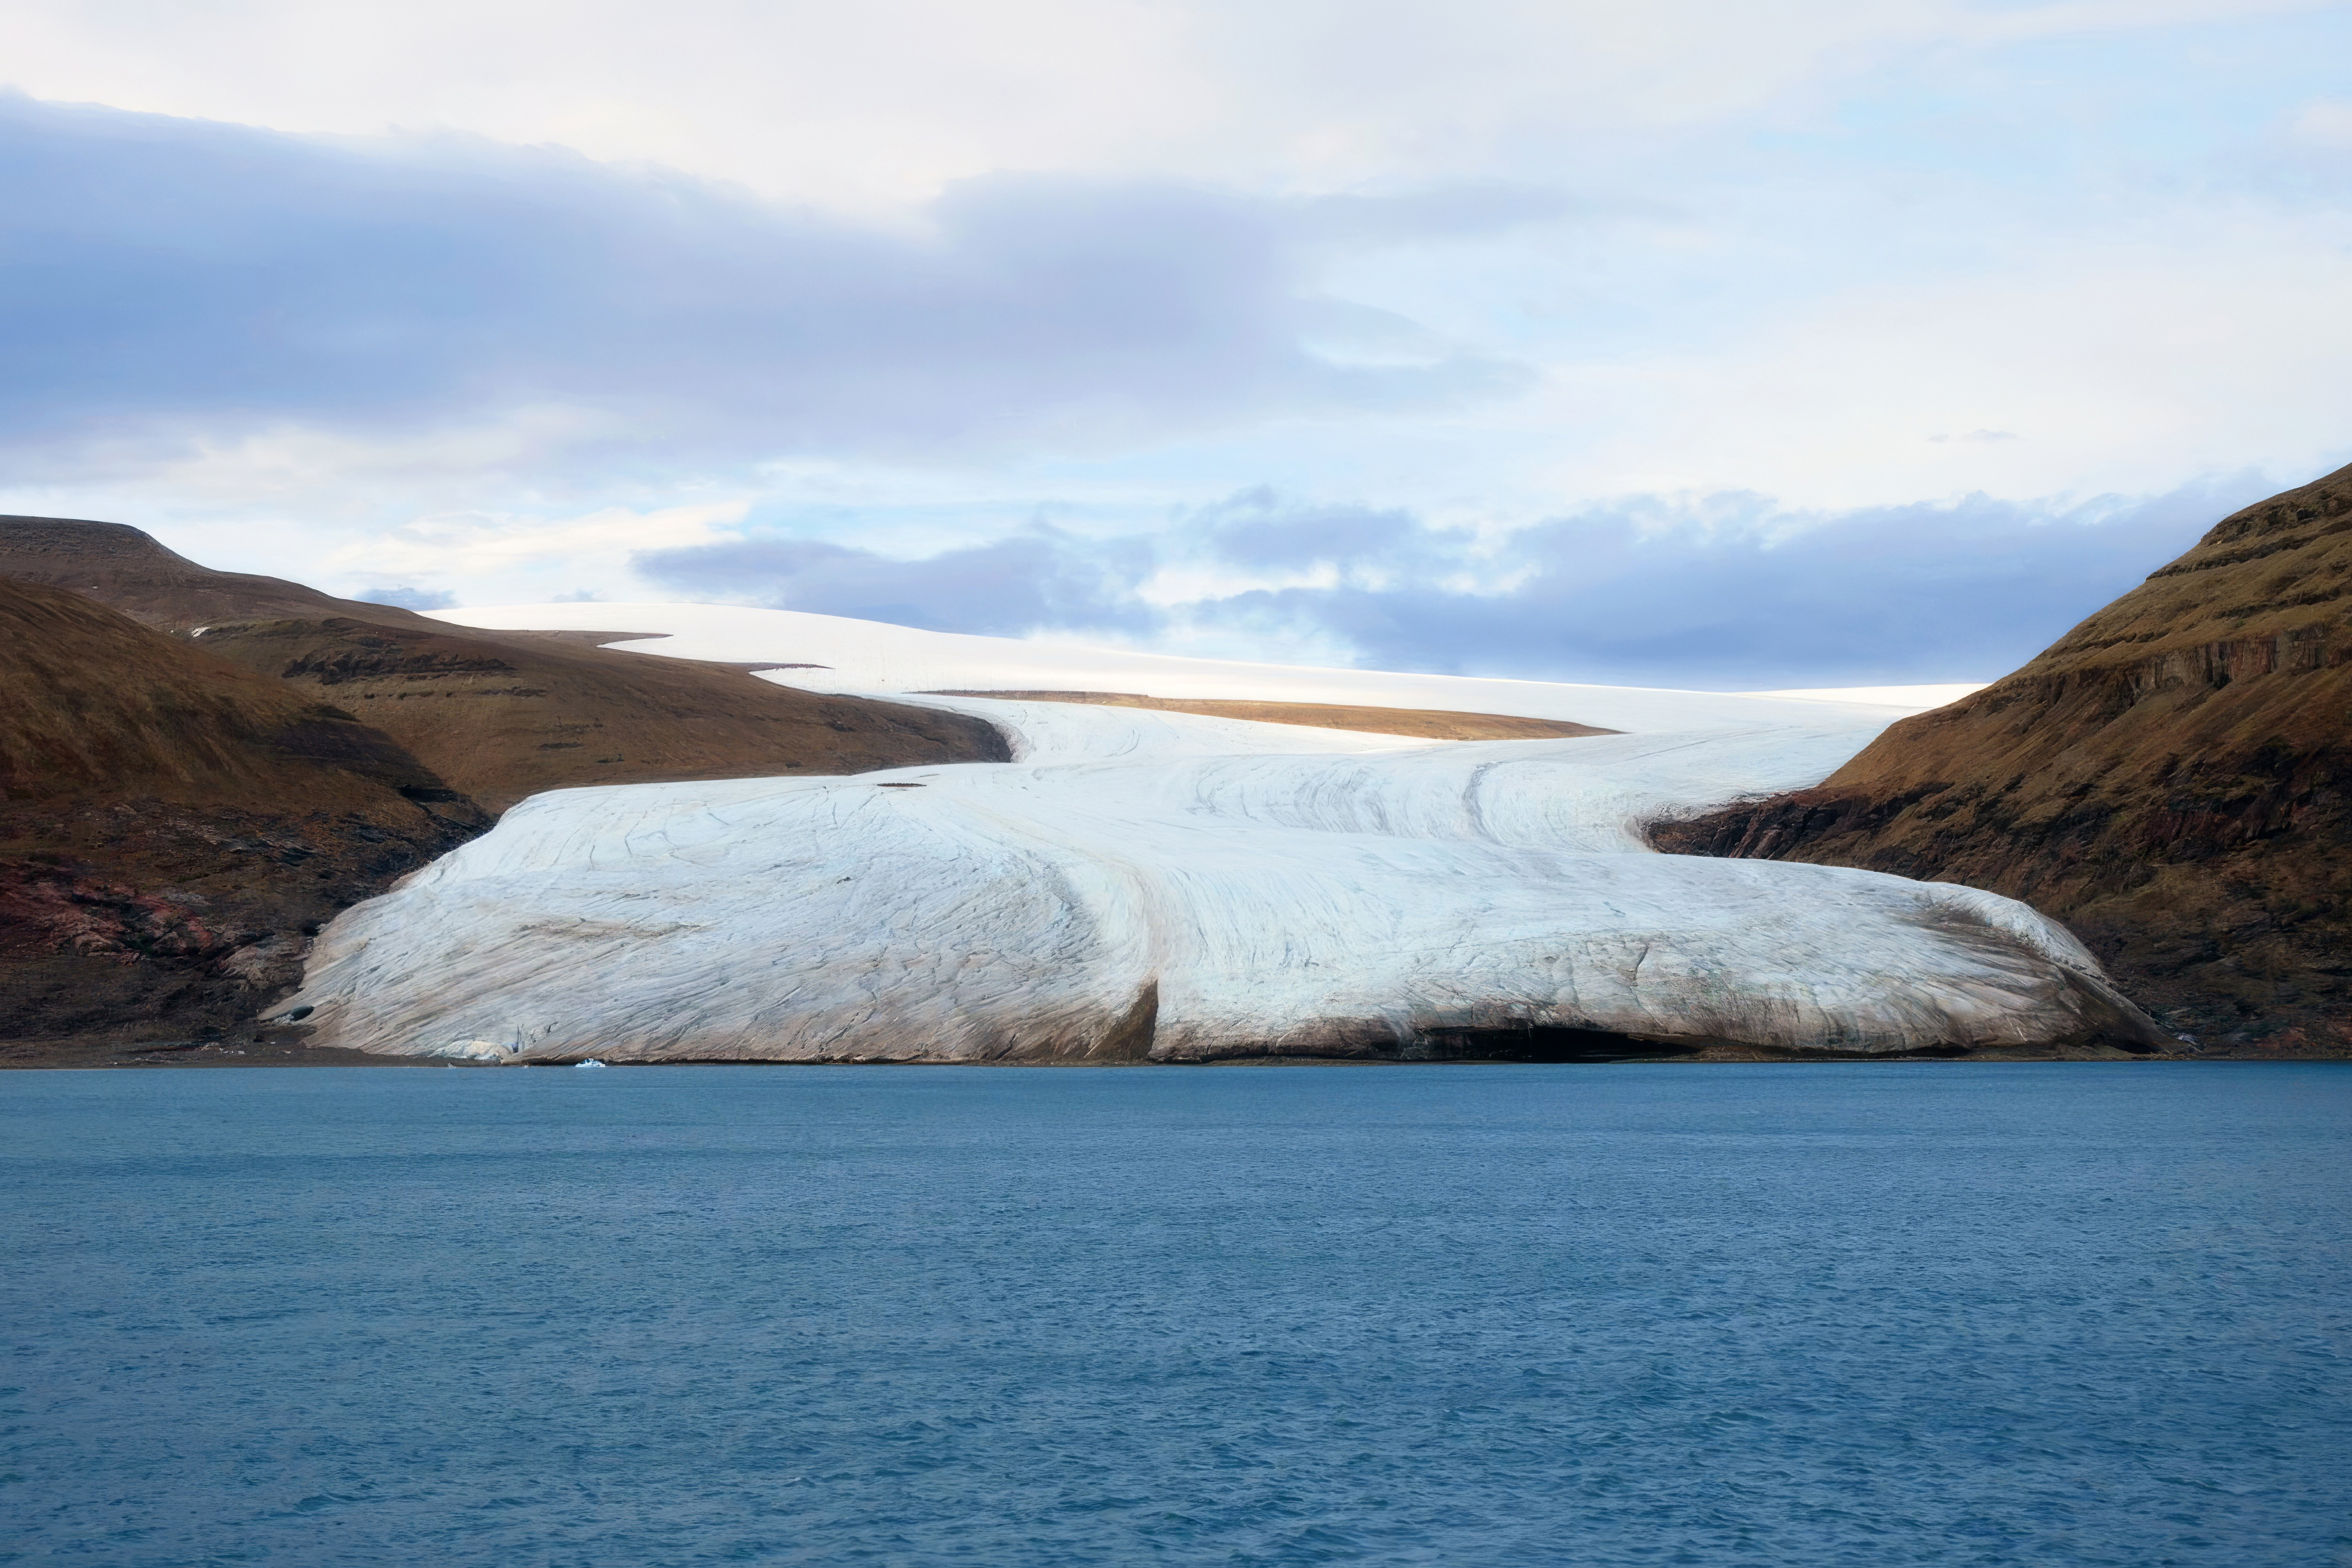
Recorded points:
(1152, 886)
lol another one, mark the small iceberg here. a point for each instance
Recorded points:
(591, 1062)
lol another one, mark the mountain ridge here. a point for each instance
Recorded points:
(198, 769)
(2172, 778)
(501, 715)
(174, 828)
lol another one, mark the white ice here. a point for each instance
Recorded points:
(1145, 885)
(869, 656)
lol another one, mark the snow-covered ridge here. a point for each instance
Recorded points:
(872, 658)
(1153, 886)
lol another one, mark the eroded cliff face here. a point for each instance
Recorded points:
(2173, 778)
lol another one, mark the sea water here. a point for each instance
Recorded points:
(1888, 1314)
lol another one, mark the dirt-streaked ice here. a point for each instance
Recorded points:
(1145, 885)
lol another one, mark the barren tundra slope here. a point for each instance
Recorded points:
(174, 828)
(507, 715)
(501, 715)
(2172, 778)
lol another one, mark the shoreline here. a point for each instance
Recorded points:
(99, 1056)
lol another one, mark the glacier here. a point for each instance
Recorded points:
(1151, 886)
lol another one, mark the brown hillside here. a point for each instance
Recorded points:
(499, 715)
(506, 716)
(1428, 724)
(2173, 778)
(173, 828)
(119, 565)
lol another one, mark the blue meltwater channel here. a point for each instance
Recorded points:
(1868, 1314)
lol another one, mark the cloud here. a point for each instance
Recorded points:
(1257, 528)
(407, 598)
(1733, 591)
(522, 559)
(1119, 259)
(2326, 122)
(882, 103)
(1038, 581)
(1467, 207)
(174, 281)
(1725, 592)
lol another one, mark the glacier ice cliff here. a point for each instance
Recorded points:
(1151, 886)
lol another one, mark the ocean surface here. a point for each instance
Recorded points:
(1869, 1314)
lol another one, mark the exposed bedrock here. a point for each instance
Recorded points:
(1482, 899)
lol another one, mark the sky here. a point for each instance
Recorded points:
(1698, 343)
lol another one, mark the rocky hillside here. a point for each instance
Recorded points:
(499, 715)
(2172, 778)
(199, 768)
(173, 828)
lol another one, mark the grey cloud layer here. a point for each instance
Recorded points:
(1729, 593)
(1740, 595)
(158, 275)
(1038, 580)
(164, 281)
